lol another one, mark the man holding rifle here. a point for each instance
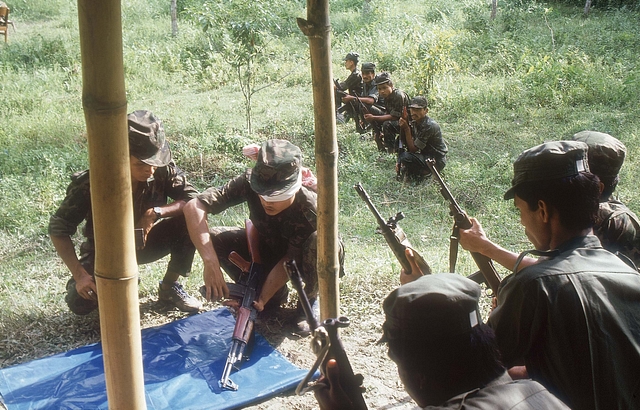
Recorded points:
(572, 317)
(283, 212)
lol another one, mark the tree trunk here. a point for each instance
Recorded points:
(587, 7)
(174, 18)
(116, 271)
(494, 9)
(317, 29)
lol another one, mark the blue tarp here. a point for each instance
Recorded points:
(182, 360)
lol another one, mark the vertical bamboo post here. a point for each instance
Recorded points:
(116, 271)
(317, 29)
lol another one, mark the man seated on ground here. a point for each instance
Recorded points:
(617, 227)
(446, 357)
(351, 86)
(422, 140)
(572, 317)
(370, 101)
(283, 212)
(386, 126)
(154, 179)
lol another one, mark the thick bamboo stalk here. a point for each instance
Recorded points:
(317, 29)
(116, 271)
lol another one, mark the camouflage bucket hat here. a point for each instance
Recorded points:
(382, 78)
(548, 161)
(277, 168)
(606, 153)
(418, 102)
(368, 67)
(355, 57)
(432, 308)
(146, 139)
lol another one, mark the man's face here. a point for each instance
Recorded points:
(384, 90)
(349, 65)
(534, 224)
(368, 76)
(274, 208)
(418, 113)
(140, 172)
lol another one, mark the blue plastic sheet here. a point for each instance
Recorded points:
(182, 360)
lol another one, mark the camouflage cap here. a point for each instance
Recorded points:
(606, 153)
(368, 67)
(382, 78)
(146, 139)
(432, 308)
(277, 168)
(418, 102)
(551, 160)
(355, 57)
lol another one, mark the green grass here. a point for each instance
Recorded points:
(539, 72)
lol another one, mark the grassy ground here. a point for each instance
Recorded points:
(539, 72)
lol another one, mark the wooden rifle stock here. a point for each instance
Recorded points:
(462, 221)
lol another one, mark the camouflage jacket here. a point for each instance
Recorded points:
(618, 229)
(167, 182)
(396, 102)
(428, 138)
(292, 227)
(370, 90)
(353, 83)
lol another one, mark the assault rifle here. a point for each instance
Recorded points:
(462, 221)
(361, 123)
(326, 344)
(245, 292)
(394, 235)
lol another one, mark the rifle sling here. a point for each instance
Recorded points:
(453, 249)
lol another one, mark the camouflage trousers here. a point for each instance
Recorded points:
(168, 237)
(414, 165)
(227, 239)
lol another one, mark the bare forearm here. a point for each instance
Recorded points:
(173, 209)
(505, 257)
(276, 279)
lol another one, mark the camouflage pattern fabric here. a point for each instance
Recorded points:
(618, 229)
(395, 104)
(427, 137)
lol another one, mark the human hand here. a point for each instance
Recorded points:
(348, 98)
(415, 273)
(146, 222)
(403, 123)
(215, 287)
(309, 180)
(329, 391)
(259, 305)
(473, 239)
(368, 117)
(86, 286)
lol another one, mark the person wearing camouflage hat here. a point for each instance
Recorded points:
(617, 227)
(351, 86)
(571, 316)
(154, 179)
(386, 126)
(421, 140)
(447, 357)
(283, 211)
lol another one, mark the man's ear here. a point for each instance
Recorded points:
(544, 210)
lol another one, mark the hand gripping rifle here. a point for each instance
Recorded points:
(245, 292)
(326, 344)
(394, 235)
(462, 221)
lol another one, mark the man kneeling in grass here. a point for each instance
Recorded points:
(154, 179)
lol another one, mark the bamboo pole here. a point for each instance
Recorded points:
(116, 271)
(317, 29)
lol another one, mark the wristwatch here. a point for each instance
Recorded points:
(158, 211)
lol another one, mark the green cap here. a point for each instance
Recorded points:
(277, 169)
(548, 161)
(432, 308)
(146, 139)
(355, 57)
(382, 78)
(606, 153)
(418, 102)
(368, 67)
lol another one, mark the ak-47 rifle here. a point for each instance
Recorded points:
(462, 221)
(326, 344)
(360, 113)
(245, 292)
(394, 235)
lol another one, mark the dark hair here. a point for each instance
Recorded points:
(454, 365)
(575, 198)
(610, 184)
